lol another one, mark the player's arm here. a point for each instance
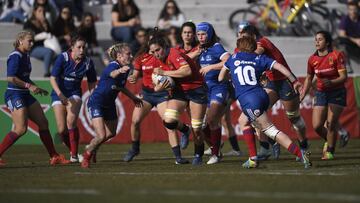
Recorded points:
(224, 74)
(134, 76)
(115, 73)
(307, 85)
(137, 101)
(217, 66)
(290, 76)
(182, 72)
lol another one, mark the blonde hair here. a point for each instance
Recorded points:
(20, 36)
(246, 44)
(117, 48)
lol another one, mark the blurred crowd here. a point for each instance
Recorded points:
(54, 21)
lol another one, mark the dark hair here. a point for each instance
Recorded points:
(246, 44)
(149, 35)
(352, 3)
(194, 43)
(76, 37)
(164, 14)
(141, 29)
(327, 36)
(252, 31)
(160, 39)
(122, 11)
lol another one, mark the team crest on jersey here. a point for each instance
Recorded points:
(202, 59)
(331, 60)
(237, 62)
(315, 63)
(208, 58)
(73, 74)
(219, 95)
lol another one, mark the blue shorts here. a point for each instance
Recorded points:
(56, 100)
(337, 97)
(197, 95)
(254, 103)
(155, 98)
(219, 93)
(15, 99)
(95, 110)
(283, 88)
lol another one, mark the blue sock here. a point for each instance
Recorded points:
(177, 152)
(264, 144)
(136, 146)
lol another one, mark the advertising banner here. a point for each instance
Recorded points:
(152, 129)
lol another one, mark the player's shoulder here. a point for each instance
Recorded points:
(15, 55)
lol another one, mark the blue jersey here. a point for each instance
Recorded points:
(212, 55)
(69, 74)
(108, 88)
(246, 69)
(18, 65)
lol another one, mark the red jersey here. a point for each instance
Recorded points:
(273, 52)
(326, 67)
(177, 59)
(145, 64)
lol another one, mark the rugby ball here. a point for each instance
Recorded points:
(160, 79)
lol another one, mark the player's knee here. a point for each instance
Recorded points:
(271, 132)
(135, 123)
(331, 125)
(171, 125)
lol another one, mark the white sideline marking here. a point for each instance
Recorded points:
(254, 172)
(254, 194)
(54, 191)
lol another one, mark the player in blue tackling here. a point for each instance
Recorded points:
(101, 103)
(246, 67)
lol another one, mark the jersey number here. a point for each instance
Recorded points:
(246, 75)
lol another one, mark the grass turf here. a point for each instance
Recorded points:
(153, 177)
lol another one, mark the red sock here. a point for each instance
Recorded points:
(249, 137)
(46, 139)
(8, 140)
(294, 149)
(74, 141)
(215, 137)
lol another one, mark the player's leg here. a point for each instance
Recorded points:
(138, 115)
(230, 132)
(60, 118)
(249, 137)
(73, 110)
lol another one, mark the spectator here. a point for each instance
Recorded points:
(125, 19)
(63, 27)
(87, 31)
(140, 40)
(170, 16)
(75, 5)
(173, 36)
(51, 11)
(349, 32)
(14, 11)
(41, 28)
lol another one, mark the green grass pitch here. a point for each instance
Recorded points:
(154, 177)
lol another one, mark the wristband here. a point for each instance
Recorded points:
(27, 85)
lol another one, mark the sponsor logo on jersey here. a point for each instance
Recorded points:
(146, 67)
(219, 95)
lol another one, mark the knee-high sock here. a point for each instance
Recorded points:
(46, 139)
(249, 136)
(8, 141)
(74, 141)
(294, 149)
(215, 136)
